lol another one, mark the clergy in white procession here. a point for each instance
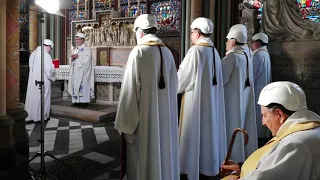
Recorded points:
(147, 114)
(81, 78)
(202, 118)
(33, 97)
(293, 153)
(261, 75)
(239, 95)
(243, 28)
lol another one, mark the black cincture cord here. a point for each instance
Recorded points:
(161, 84)
(247, 84)
(214, 80)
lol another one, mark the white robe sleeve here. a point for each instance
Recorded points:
(49, 68)
(290, 160)
(228, 65)
(187, 71)
(127, 118)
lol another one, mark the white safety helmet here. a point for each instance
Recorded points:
(204, 24)
(238, 35)
(81, 35)
(288, 94)
(261, 36)
(145, 21)
(48, 42)
(239, 27)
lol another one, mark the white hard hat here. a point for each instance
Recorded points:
(204, 24)
(239, 27)
(145, 21)
(238, 35)
(288, 94)
(48, 42)
(81, 35)
(260, 36)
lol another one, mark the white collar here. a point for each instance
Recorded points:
(205, 40)
(148, 38)
(262, 48)
(236, 49)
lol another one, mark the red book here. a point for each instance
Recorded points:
(56, 63)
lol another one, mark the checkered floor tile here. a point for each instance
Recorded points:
(64, 136)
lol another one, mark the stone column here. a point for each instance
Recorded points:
(13, 137)
(57, 40)
(6, 123)
(196, 9)
(187, 25)
(12, 51)
(33, 31)
(52, 35)
(3, 58)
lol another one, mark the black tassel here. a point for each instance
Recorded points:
(161, 84)
(247, 83)
(214, 81)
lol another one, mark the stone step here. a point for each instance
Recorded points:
(94, 112)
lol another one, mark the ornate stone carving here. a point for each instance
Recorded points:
(249, 18)
(282, 21)
(107, 30)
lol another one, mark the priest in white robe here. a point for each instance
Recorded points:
(293, 153)
(147, 111)
(243, 29)
(261, 75)
(239, 95)
(33, 97)
(81, 78)
(202, 120)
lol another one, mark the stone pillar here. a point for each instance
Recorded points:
(3, 58)
(57, 44)
(187, 25)
(12, 127)
(196, 9)
(7, 164)
(12, 51)
(33, 33)
(52, 34)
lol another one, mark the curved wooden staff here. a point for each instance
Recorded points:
(234, 134)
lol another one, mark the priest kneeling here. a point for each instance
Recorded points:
(293, 153)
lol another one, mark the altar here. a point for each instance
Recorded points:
(107, 82)
(108, 26)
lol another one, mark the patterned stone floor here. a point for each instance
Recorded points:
(85, 150)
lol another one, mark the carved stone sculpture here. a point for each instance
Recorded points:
(121, 37)
(125, 36)
(281, 21)
(132, 38)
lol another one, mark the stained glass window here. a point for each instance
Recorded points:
(309, 9)
(134, 10)
(168, 15)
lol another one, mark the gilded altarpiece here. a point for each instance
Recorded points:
(110, 34)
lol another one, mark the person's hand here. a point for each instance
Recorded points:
(230, 167)
(74, 56)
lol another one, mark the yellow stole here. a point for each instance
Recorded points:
(153, 43)
(252, 161)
